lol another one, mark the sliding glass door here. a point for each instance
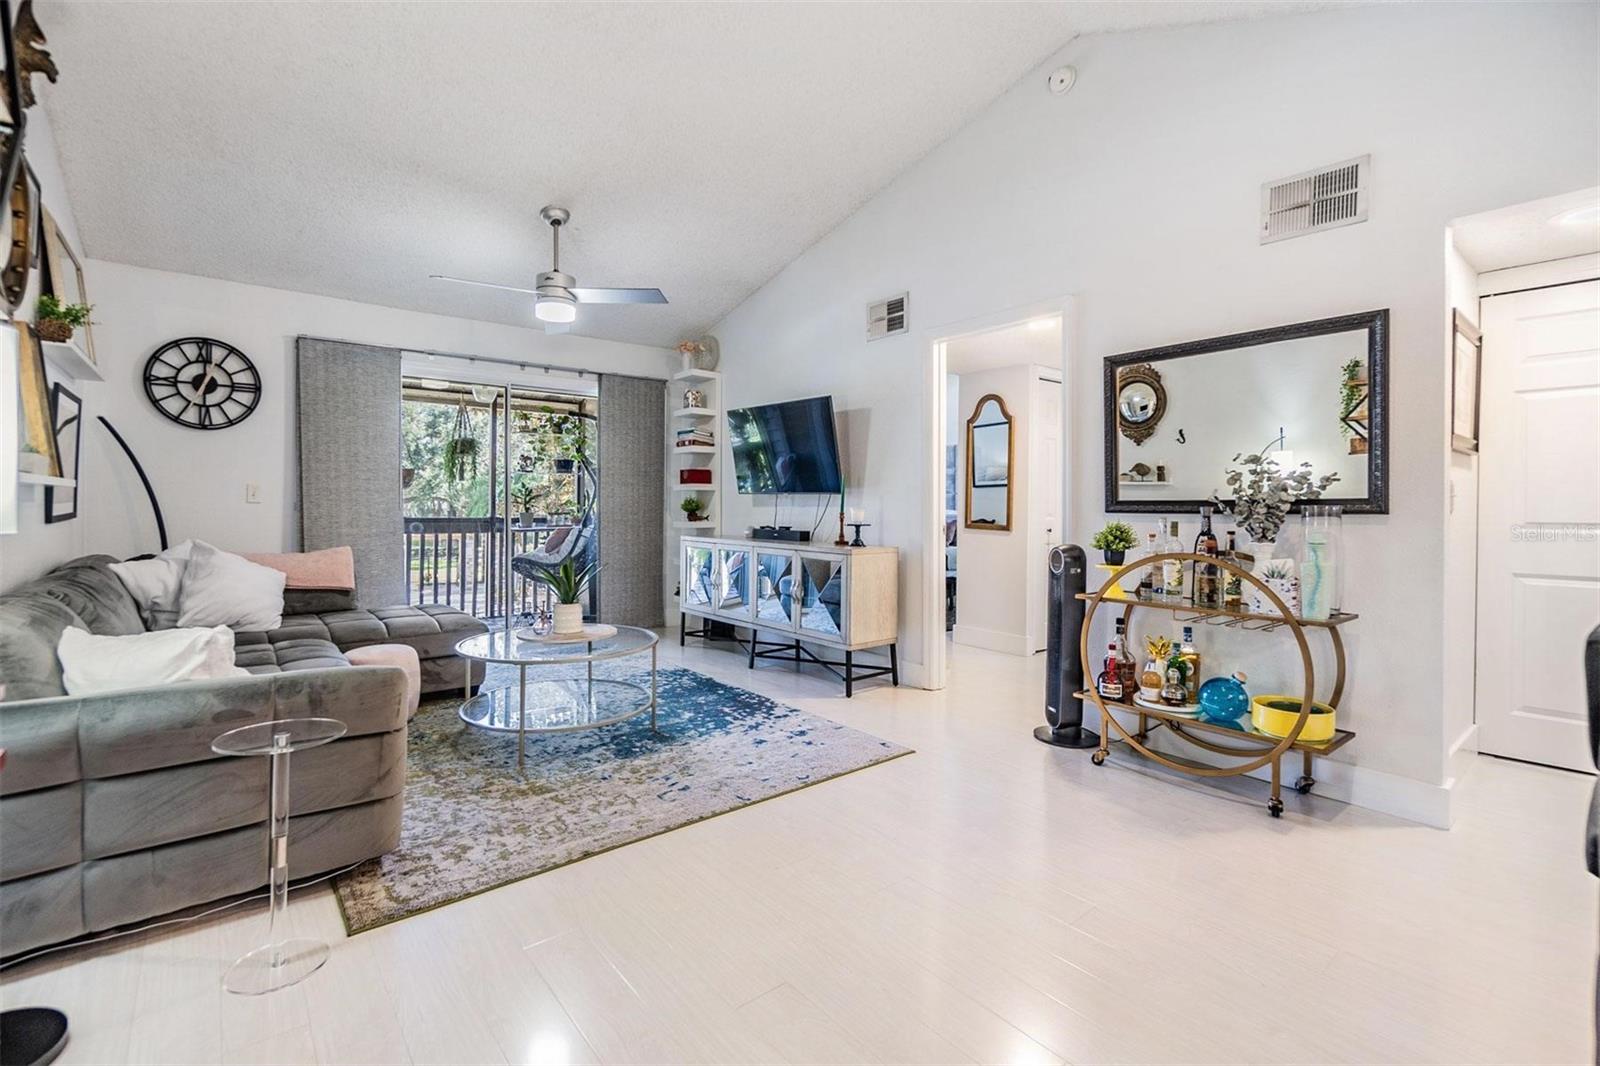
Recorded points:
(462, 500)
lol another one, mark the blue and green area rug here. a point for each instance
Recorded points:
(473, 823)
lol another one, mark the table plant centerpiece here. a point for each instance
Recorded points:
(567, 582)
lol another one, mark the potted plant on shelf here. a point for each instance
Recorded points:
(524, 497)
(691, 509)
(1114, 540)
(567, 583)
(56, 321)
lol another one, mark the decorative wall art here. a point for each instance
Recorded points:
(26, 41)
(66, 415)
(37, 429)
(64, 277)
(23, 251)
(1466, 355)
(1141, 401)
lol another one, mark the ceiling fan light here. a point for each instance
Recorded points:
(556, 309)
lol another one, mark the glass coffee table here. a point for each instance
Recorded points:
(561, 704)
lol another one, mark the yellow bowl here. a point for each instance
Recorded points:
(1275, 716)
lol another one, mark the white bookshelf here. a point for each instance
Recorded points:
(704, 416)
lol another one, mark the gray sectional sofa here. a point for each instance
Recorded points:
(113, 808)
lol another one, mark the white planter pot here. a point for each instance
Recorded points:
(569, 618)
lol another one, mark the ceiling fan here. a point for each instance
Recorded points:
(558, 294)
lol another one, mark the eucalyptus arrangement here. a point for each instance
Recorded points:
(56, 321)
(1263, 494)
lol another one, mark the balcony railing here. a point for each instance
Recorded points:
(456, 562)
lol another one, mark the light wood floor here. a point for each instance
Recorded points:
(987, 899)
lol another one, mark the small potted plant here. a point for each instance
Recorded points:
(1263, 494)
(691, 509)
(56, 321)
(524, 497)
(567, 583)
(1114, 540)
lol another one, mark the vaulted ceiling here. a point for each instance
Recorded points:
(352, 149)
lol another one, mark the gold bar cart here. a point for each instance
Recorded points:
(1254, 749)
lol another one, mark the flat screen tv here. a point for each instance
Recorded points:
(785, 447)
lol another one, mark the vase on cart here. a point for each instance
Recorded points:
(1320, 557)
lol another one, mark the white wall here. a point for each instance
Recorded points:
(1138, 193)
(200, 476)
(992, 565)
(36, 547)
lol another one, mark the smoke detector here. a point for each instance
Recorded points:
(1062, 78)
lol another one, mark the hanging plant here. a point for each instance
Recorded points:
(461, 450)
(1351, 393)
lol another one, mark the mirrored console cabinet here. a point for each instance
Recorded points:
(797, 602)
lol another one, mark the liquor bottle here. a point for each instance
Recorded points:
(1232, 583)
(1157, 649)
(1172, 569)
(1207, 576)
(1125, 664)
(1110, 683)
(1191, 663)
(1173, 691)
(1150, 579)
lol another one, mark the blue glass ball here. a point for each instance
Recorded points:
(1223, 700)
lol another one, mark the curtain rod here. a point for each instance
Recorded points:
(546, 367)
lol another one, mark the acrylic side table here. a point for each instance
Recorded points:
(278, 963)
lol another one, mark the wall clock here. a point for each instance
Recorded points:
(202, 383)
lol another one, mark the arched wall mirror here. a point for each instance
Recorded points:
(990, 450)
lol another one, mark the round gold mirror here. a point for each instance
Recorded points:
(1141, 401)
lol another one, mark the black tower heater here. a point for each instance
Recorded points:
(1064, 667)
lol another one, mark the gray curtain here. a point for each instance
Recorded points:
(349, 414)
(632, 486)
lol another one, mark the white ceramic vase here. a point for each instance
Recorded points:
(569, 619)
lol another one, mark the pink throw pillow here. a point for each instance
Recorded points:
(330, 568)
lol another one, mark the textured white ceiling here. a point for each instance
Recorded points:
(352, 149)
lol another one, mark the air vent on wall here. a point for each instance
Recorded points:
(1319, 199)
(887, 317)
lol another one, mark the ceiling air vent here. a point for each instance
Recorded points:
(1319, 199)
(888, 317)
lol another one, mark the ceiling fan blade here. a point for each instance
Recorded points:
(482, 284)
(619, 296)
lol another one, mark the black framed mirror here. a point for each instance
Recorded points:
(1311, 392)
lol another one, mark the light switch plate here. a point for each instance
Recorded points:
(252, 492)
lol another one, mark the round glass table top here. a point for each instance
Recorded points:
(501, 647)
(262, 738)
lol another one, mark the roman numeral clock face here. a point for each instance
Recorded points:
(202, 383)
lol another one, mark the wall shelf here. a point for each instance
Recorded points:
(71, 361)
(694, 412)
(694, 488)
(696, 375)
(26, 478)
(692, 449)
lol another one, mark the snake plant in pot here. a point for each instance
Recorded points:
(567, 583)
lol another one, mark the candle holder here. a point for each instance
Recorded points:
(841, 542)
(858, 527)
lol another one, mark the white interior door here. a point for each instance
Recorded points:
(1045, 502)
(1538, 521)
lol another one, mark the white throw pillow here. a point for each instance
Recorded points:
(223, 589)
(91, 664)
(153, 584)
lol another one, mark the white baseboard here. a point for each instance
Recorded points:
(1403, 797)
(990, 639)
